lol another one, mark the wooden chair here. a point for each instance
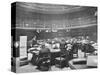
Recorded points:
(60, 61)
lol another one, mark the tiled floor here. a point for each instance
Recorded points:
(31, 68)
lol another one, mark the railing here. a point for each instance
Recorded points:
(66, 24)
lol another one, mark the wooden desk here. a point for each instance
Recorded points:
(54, 50)
(78, 66)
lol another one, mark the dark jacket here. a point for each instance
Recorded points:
(87, 48)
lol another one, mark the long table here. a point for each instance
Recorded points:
(36, 50)
(79, 65)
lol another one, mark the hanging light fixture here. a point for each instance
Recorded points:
(27, 25)
(46, 31)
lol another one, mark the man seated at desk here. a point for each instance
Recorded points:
(64, 51)
(43, 57)
(44, 49)
(87, 47)
(41, 51)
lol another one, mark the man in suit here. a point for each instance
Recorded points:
(88, 48)
(44, 58)
(44, 49)
(34, 41)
